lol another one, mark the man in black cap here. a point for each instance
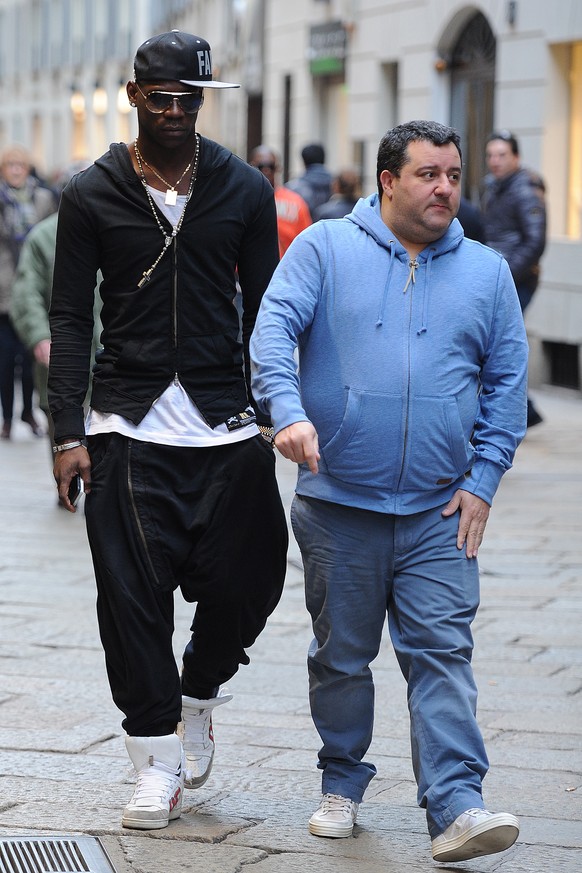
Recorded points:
(177, 467)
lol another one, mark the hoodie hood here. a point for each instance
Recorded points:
(366, 214)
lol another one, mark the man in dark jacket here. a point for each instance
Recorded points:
(345, 192)
(471, 220)
(178, 469)
(315, 183)
(514, 215)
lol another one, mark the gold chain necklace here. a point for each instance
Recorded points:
(167, 239)
(172, 192)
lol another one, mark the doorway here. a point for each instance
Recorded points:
(472, 64)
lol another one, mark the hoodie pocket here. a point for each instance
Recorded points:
(438, 451)
(367, 447)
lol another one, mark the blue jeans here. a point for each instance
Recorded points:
(359, 566)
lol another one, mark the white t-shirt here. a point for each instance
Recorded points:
(173, 420)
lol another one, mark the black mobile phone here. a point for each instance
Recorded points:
(76, 488)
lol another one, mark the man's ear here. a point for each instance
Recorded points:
(387, 182)
(131, 89)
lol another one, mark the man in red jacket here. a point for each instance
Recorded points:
(292, 210)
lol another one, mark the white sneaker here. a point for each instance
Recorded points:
(157, 798)
(195, 731)
(474, 833)
(335, 817)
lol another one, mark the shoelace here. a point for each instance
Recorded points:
(336, 803)
(197, 730)
(155, 780)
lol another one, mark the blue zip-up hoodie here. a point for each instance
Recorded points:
(413, 374)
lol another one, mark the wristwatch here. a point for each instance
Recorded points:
(268, 433)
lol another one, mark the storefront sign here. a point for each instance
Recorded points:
(327, 49)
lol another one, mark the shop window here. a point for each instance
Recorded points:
(564, 364)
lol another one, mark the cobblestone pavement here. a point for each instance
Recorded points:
(63, 766)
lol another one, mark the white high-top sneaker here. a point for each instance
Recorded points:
(195, 731)
(157, 798)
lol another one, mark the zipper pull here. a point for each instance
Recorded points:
(413, 264)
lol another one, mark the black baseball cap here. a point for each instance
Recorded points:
(176, 57)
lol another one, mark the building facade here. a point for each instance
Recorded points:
(336, 71)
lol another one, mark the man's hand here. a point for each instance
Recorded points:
(299, 443)
(68, 464)
(42, 352)
(472, 521)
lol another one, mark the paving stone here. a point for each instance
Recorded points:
(58, 767)
(531, 859)
(542, 723)
(143, 856)
(546, 759)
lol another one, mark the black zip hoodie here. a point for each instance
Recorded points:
(182, 321)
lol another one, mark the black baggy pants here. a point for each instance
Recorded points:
(206, 520)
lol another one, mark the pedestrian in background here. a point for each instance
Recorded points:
(31, 296)
(314, 185)
(404, 413)
(471, 220)
(514, 215)
(345, 189)
(24, 201)
(180, 479)
(292, 211)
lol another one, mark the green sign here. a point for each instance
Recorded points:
(327, 49)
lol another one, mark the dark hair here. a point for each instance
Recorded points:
(506, 136)
(392, 151)
(347, 182)
(264, 151)
(313, 154)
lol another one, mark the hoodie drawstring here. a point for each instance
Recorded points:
(413, 266)
(423, 325)
(380, 319)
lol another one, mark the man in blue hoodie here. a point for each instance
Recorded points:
(406, 409)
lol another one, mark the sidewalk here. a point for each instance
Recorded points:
(63, 765)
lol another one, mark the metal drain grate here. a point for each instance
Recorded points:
(53, 855)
